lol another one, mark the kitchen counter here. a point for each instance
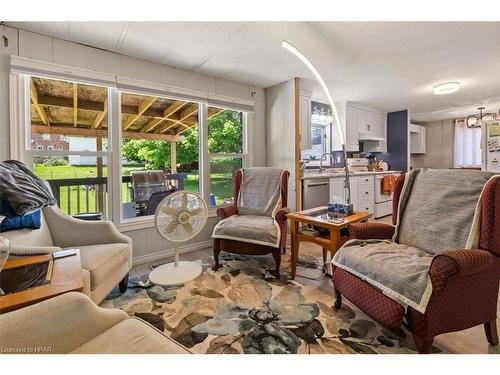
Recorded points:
(330, 174)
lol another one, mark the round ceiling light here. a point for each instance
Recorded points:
(446, 88)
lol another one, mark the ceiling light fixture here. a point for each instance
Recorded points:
(446, 88)
(322, 82)
(475, 121)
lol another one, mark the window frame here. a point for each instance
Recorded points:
(21, 139)
(243, 155)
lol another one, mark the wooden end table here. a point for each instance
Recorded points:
(329, 242)
(66, 277)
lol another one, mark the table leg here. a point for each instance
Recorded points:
(334, 246)
(294, 253)
(325, 254)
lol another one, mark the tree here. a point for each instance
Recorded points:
(224, 136)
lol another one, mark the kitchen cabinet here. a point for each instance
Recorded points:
(305, 118)
(417, 139)
(352, 143)
(362, 192)
(363, 123)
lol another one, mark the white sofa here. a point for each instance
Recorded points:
(105, 253)
(72, 323)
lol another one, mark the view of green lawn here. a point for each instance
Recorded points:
(221, 184)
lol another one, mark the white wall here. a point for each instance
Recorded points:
(48, 49)
(280, 130)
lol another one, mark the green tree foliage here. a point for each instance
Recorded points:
(224, 136)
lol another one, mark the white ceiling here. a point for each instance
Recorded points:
(385, 65)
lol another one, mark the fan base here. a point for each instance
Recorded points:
(168, 274)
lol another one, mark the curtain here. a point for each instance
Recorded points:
(467, 146)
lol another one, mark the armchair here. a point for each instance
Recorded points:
(465, 282)
(234, 239)
(105, 253)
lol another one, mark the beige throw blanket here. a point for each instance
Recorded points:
(439, 211)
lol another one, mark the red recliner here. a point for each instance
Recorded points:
(239, 247)
(465, 282)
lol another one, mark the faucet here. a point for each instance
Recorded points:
(321, 161)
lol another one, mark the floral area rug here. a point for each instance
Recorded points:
(242, 308)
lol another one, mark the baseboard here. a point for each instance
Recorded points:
(162, 254)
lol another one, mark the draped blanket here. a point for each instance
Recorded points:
(22, 189)
(439, 211)
(260, 192)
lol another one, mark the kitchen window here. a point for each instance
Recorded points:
(319, 144)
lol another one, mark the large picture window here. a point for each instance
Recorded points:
(68, 142)
(118, 152)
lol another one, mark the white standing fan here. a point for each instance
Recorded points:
(179, 217)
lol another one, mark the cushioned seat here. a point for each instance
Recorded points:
(131, 336)
(261, 230)
(400, 271)
(101, 260)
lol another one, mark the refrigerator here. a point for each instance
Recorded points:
(490, 145)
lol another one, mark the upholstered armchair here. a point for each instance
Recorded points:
(464, 282)
(254, 224)
(105, 253)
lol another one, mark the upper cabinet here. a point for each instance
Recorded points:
(367, 125)
(305, 118)
(417, 139)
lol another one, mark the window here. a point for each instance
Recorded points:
(159, 148)
(319, 144)
(69, 122)
(467, 146)
(226, 149)
(90, 141)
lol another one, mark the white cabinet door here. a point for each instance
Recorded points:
(351, 131)
(305, 120)
(372, 123)
(361, 121)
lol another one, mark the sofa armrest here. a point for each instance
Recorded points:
(67, 231)
(367, 231)
(226, 211)
(56, 325)
(458, 263)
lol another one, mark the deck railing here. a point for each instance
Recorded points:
(90, 194)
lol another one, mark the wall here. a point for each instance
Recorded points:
(398, 153)
(147, 243)
(280, 130)
(439, 145)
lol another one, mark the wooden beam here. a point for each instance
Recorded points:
(172, 108)
(173, 157)
(87, 105)
(36, 104)
(188, 112)
(101, 115)
(143, 106)
(75, 104)
(152, 124)
(88, 132)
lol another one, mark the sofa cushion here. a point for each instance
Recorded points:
(131, 336)
(401, 272)
(102, 260)
(260, 230)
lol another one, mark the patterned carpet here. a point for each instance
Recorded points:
(242, 308)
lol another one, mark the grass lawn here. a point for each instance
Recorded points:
(221, 185)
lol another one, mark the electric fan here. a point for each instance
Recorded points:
(179, 217)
